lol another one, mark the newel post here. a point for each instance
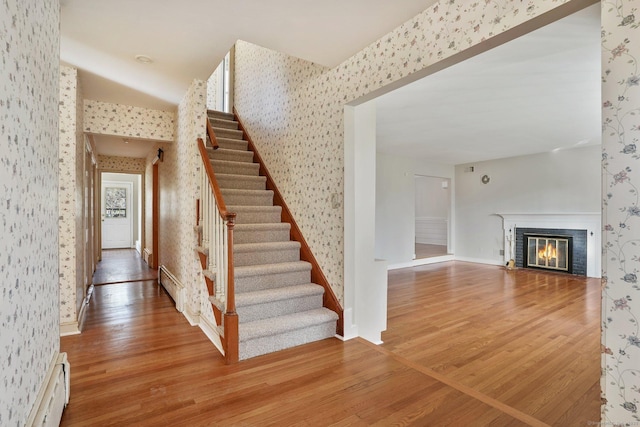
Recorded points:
(231, 317)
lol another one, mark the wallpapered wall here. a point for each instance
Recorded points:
(179, 176)
(621, 212)
(29, 90)
(124, 120)
(294, 112)
(71, 198)
(121, 164)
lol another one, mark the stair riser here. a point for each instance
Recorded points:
(265, 199)
(261, 236)
(264, 345)
(223, 124)
(266, 257)
(232, 156)
(278, 308)
(242, 184)
(250, 169)
(228, 133)
(271, 281)
(232, 144)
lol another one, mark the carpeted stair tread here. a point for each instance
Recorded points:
(282, 324)
(232, 144)
(262, 232)
(245, 182)
(220, 115)
(217, 123)
(266, 253)
(235, 196)
(256, 214)
(278, 294)
(236, 168)
(228, 133)
(266, 269)
(230, 155)
(266, 246)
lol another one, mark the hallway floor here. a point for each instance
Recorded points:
(122, 265)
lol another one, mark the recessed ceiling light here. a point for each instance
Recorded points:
(144, 59)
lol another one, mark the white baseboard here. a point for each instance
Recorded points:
(192, 318)
(69, 328)
(53, 396)
(421, 261)
(211, 331)
(479, 260)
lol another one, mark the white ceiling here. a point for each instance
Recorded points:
(187, 39)
(538, 93)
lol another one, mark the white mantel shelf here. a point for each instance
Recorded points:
(590, 221)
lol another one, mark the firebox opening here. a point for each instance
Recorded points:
(548, 252)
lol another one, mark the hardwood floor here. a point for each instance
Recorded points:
(427, 251)
(466, 345)
(122, 265)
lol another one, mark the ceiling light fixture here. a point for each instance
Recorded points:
(144, 59)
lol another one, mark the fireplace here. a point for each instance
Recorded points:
(548, 252)
(584, 229)
(552, 249)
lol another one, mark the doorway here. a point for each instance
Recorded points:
(432, 216)
(121, 211)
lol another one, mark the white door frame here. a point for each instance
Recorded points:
(130, 201)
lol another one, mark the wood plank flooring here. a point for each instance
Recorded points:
(466, 345)
(427, 251)
(122, 265)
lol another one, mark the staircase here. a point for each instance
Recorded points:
(276, 303)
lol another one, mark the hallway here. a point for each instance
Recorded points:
(139, 362)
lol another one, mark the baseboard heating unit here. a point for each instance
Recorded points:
(48, 409)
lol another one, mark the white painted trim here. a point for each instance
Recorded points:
(69, 328)
(479, 261)
(421, 261)
(42, 413)
(211, 331)
(192, 318)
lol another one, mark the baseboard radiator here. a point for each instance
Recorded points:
(173, 286)
(55, 398)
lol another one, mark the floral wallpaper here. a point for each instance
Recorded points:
(294, 112)
(70, 197)
(121, 164)
(179, 175)
(621, 211)
(29, 91)
(124, 120)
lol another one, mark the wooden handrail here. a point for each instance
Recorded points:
(329, 298)
(212, 135)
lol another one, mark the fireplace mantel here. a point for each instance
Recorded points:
(590, 221)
